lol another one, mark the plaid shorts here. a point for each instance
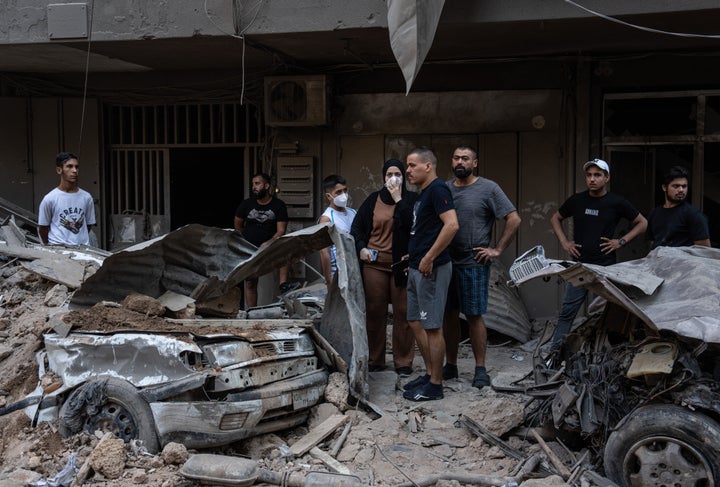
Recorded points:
(469, 289)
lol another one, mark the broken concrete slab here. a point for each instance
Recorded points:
(63, 271)
(382, 389)
(174, 301)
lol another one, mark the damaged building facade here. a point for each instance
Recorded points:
(172, 106)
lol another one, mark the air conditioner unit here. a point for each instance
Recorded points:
(296, 101)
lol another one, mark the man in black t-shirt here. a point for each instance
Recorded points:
(595, 214)
(430, 270)
(261, 219)
(677, 223)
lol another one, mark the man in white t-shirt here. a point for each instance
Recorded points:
(67, 212)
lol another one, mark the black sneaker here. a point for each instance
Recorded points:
(481, 378)
(428, 392)
(286, 287)
(404, 371)
(450, 371)
(417, 382)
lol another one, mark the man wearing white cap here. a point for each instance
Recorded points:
(595, 214)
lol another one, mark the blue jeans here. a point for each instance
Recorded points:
(573, 300)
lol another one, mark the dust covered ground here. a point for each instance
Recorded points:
(413, 441)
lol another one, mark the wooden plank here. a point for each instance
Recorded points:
(335, 449)
(557, 463)
(317, 434)
(329, 461)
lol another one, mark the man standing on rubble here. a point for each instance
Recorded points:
(677, 223)
(478, 202)
(595, 213)
(261, 219)
(67, 213)
(434, 226)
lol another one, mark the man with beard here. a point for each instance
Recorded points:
(677, 223)
(479, 202)
(262, 219)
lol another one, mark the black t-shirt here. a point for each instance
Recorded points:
(260, 221)
(593, 218)
(433, 201)
(678, 226)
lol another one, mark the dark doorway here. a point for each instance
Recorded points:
(206, 186)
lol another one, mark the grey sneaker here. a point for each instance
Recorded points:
(481, 378)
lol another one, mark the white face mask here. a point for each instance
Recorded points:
(394, 180)
(341, 200)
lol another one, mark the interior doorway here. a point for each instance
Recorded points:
(206, 185)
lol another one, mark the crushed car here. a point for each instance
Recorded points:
(201, 381)
(637, 381)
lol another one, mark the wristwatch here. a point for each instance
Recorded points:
(622, 242)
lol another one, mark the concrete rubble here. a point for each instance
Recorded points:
(410, 442)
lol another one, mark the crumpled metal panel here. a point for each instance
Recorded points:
(412, 28)
(506, 311)
(143, 359)
(688, 302)
(196, 260)
(672, 288)
(179, 262)
(345, 305)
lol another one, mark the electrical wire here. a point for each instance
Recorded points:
(640, 27)
(85, 83)
(240, 36)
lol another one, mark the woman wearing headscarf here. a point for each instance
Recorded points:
(381, 230)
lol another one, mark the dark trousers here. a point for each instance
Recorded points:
(380, 290)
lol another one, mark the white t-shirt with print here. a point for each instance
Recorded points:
(67, 215)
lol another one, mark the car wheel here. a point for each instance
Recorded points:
(664, 445)
(109, 404)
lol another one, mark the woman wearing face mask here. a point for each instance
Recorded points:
(339, 214)
(381, 230)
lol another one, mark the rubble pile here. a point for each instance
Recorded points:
(407, 442)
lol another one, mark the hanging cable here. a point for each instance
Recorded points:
(240, 36)
(85, 84)
(641, 27)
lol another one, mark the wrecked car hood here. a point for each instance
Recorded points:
(674, 288)
(207, 262)
(149, 359)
